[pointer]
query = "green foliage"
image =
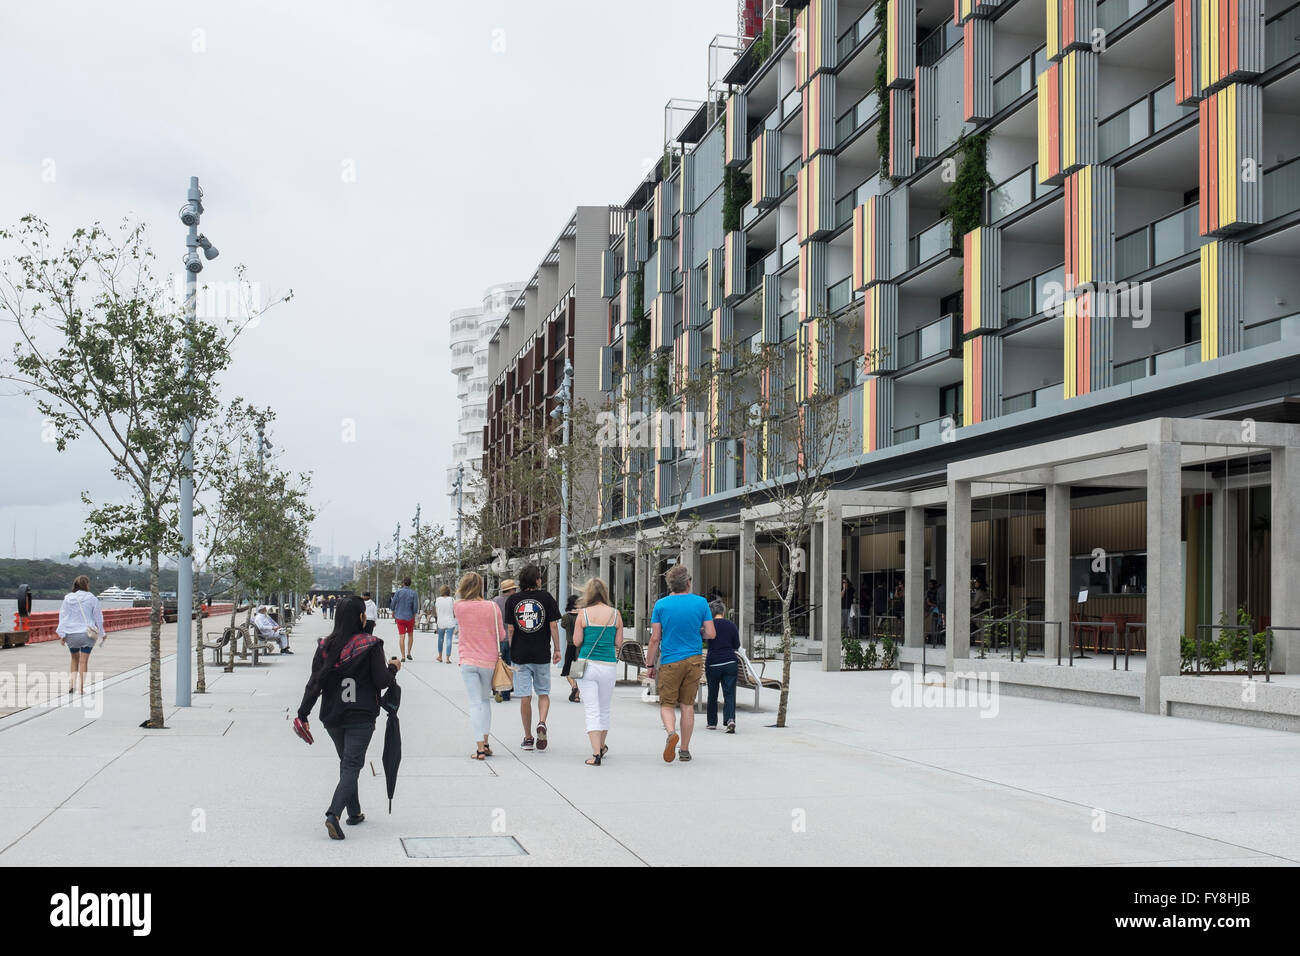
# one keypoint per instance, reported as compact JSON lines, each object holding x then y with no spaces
{"x":773,"y":33}
{"x":50,"y":580}
{"x":966,"y":192}
{"x":735,"y":196}
{"x":882,"y":87}
{"x":859,"y":655}
{"x":888,"y":653}
{"x":638,"y":342}
{"x":661,"y":388}
{"x":851,"y":657}
{"x":1231,"y":650}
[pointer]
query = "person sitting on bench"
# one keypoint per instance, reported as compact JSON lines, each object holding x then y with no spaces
{"x":268,"y":629}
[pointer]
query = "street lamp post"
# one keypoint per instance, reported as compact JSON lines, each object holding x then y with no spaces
{"x":190,"y":213}
{"x":565,"y":394}
{"x":460,"y":485}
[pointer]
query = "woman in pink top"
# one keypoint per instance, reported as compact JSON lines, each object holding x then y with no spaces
{"x":481,"y":630}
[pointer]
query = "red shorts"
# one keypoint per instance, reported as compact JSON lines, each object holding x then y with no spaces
{"x":405,"y":627}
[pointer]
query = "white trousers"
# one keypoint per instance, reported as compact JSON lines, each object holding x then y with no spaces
{"x":597,"y":690}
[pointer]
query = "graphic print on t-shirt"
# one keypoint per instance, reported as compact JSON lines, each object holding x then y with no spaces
{"x":530,"y":615}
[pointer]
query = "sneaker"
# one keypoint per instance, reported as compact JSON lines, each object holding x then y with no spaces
{"x":731,"y":726}
{"x":670,"y":747}
{"x":528,"y":743}
{"x":353,"y":821}
{"x":541,"y":736}
{"x":683,"y":755}
{"x":711,"y":727}
{"x":498,"y":698}
{"x":286,"y":651}
{"x":332,"y":827}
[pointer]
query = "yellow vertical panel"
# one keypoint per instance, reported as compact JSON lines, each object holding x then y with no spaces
{"x":967,"y":383}
{"x":1053,"y":24}
{"x":1043,"y":141}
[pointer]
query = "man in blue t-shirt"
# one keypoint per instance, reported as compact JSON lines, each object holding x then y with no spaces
{"x":679,"y":625}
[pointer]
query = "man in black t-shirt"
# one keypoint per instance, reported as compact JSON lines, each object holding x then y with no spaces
{"x":531,"y":617}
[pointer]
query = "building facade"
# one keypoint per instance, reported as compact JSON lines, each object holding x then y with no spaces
{"x":1067,"y":235}
{"x":471,"y":331}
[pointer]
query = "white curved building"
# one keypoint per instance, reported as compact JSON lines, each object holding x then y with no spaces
{"x":471,"y":331}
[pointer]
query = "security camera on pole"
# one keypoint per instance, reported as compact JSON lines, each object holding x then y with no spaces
{"x":190,"y":213}
{"x":565,"y":395}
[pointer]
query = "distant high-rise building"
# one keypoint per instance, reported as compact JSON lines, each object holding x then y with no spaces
{"x":471,"y":330}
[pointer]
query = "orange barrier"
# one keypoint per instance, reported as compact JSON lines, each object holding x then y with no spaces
{"x":43,"y":625}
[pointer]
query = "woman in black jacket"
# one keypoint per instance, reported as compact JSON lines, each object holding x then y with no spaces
{"x":347,"y":674}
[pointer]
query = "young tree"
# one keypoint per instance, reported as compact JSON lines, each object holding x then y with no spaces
{"x":99,"y":346}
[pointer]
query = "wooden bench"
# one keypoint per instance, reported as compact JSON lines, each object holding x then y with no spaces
{"x":748,"y":678}
{"x":632,"y":654}
{"x":14,"y":638}
{"x":217,"y":641}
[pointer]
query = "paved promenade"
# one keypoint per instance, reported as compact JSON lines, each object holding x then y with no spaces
{"x":853,"y":780}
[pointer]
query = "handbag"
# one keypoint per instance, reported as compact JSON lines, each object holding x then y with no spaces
{"x":502,"y":679}
{"x":579,"y":667}
{"x":92,"y":632}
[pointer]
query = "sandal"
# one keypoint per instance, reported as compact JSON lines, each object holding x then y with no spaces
{"x":604,"y":749}
{"x":487,"y":750}
{"x":541,"y":736}
{"x":478,"y":755}
{"x":594,"y":761}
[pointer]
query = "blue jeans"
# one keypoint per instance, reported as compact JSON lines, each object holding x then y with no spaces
{"x":724,"y":674}
{"x":448,"y":633}
{"x":505,"y":656}
{"x":351,"y":741}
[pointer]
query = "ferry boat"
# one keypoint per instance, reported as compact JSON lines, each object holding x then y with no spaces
{"x":116,"y":595}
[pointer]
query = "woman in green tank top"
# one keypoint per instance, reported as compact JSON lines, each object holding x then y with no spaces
{"x":598,"y":636}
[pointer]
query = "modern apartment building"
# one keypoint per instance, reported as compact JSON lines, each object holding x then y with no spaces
{"x":1082,"y":412}
{"x":558,"y":317}
{"x":471,"y":331}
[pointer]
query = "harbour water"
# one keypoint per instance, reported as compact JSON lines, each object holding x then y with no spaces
{"x":8,"y":606}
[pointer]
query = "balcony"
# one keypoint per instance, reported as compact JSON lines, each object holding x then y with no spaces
{"x":790,"y":175}
{"x":1139,"y":120}
{"x":1180,"y":356}
{"x":848,"y":430}
{"x":848,"y":375}
{"x":792,"y":101}
{"x":1272,"y":331}
{"x":1029,"y":298}
{"x":1018,"y":80}
{"x":839,"y":295}
{"x":789,"y":325}
{"x":937,"y":338}
{"x":929,"y":243}
{"x":856,"y":116}
{"x":1111,"y":13}
{"x":1282,"y":189}
{"x":851,"y":200}
{"x":1013,"y":194}
{"x":942,"y":39}
{"x":1282,"y":37}
{"x":789,"y":250}
{"x":1034,"y":398}
{"x":1159,"y":242}
{"x":854,"y":35}
{"x":932,"y":430}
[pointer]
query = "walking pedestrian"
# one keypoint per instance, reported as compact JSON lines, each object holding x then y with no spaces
{"x":597,"y":639}
{"x":347,"y":674}
{"x":508,"y":587}
{"x":372,"y":612}
{"x":405,"y":603}
{"x":81,"y":624}
{"x":570,"y":650}
{"x":481,"y":631}
{"x":721,"y":668}
{"x":679,"y":624}
{"x":530,"y":614}
{"x":444,"y":611}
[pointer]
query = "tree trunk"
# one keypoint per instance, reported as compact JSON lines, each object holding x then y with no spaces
{"x":201,"y":683}
{"x":787,"y":637}
{"x":155,"y":721}
{"x":234,"y":642}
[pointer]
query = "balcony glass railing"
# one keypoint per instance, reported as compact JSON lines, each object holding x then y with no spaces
{"x":856,"y":116}
{"x":1282,"y":37}
{"x":1178,"y":357}
{"x":1018,"y":80}
{"x":848,"y":375}
{"x":848,"y":431}
{"x":1139,"y":120}
{"x":754,"y":275}
{"x":792,"y":101}
{"x":1111,"y":13}
{"x":855,"y":34}
{"x":942,"y":39}
{"x":789,"y":325}
{"x":1165,"y":239}
{"x":1029,"y":298}
{"x":1015,"y":193}
{"x":1282,"y":189}
{"x":928,"y":243}
{"x":850,"y":201}
{"x":932,"y":429}
{"x":839,"y":295}
{"x":1034,"y":398}
{"x":930,"y":340}
{"x":1272,"y":331}
{"x":790,"y":175}
{"x":789,"y":250}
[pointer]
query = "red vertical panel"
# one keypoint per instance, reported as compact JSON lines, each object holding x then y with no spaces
{"x":967,"y":280}
{"x":1182,"y":18}
{"x":1067,"y":24}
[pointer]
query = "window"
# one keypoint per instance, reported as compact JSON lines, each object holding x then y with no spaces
{"x":1192,"y":326}
{"x":950,"y":401}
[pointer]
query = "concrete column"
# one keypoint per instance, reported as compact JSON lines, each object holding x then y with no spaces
{"x":832,"y":546}
{"x":958,"y":579}
{"x":914,"y":577}
{"x":746,"y":586}
{"x":690,"y":557}
{"x":641,"y":591}
{"x":1058,"y":601}
{"x":1223,"y":553}
{"x":1284,"y":538}
{"x":1165,"y":611}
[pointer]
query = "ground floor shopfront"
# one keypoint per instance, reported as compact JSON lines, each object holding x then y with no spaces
{"x":1078,"y":566}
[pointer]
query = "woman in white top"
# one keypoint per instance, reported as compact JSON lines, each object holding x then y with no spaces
{"x":81,"y":623}
{"x":445,"y":612}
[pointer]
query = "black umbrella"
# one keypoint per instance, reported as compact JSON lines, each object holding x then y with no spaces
{"x":391,"y":700}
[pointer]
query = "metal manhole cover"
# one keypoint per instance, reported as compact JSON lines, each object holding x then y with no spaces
{"x":426,"y":848}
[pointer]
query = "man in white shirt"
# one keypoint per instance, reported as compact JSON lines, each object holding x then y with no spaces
{"x":372,"y":612}
{"x":266,"y":627}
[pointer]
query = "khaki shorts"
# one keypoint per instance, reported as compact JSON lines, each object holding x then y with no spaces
{"x":680,"y":681}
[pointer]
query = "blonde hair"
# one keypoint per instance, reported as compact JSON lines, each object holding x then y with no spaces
{"x":81,"y":584}
{"x":678,"y":578}
{"x":594,"y":592}
{"x":470,"y":587}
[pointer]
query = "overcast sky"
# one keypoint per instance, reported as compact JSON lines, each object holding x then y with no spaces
{"x":470,"y":131}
